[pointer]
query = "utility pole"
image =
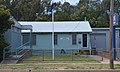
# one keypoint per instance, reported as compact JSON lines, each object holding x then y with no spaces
{"x":110,"y":36}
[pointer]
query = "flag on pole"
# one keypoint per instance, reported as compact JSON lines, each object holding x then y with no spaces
{"x":52,"y":6}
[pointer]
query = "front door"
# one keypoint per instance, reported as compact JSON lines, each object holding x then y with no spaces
{"x":84,"y":41}
{"x":79,"y":41}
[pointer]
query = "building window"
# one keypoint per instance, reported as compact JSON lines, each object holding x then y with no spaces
{"x":26,"y":38}
{"x":55,"y":39}
{"x":74,"y":36}
{"x":84,"y":40}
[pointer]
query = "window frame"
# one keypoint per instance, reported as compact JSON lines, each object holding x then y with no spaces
{"x":74,"y":38}
{"x":55,"y":39}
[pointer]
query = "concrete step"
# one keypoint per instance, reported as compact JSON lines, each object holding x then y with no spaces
{"x":9,"y":61}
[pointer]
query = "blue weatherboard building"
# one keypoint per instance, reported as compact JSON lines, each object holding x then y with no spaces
{"x":70,"y":35}
{"x":74,"y":35}
{"x":67,"y":35}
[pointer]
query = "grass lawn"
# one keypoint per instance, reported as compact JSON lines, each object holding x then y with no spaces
{"x":59,"y":58}
{"x":62,"y":61}
{"x":44,"y":66}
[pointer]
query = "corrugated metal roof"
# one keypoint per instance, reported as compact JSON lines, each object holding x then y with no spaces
{"x":18,"y":25}
{"x":104,"y":28}
{"x":66,"y":26}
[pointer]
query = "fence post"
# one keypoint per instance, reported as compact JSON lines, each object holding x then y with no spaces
{"x":16,"y":53}
{"x":90,"y":51}
{"x":102,"y":53}
{"x":43,"y":54}
{"x":30,"y":39}
{"x":72,"y":54}
{"x":4,"y":54}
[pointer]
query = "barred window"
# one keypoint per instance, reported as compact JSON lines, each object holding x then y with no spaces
{"x":55,"y":39}
{"x":26,"y":38}
{"x":74,"y":36}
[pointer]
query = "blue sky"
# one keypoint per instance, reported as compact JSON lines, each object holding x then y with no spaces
{"x":73,"y":2}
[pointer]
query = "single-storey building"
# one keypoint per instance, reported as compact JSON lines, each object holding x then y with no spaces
{"x":70,"y":35}
{"x":67,"y":35}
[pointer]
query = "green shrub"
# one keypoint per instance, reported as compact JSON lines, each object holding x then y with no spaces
{"x":76,"y":53}
{"x":82,"y":52}
{"x":5,"y":24}
{"x":3,"y":44}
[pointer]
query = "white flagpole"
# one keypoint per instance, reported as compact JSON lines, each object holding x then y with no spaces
{"x":52,"y":33}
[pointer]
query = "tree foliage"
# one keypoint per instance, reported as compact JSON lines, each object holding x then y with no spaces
{"x":5,"y":24}
{"x":95,"y":11}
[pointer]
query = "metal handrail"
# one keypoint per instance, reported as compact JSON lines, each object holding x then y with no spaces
{"x":7,"y":50}
{"x":20,"y":47}
{"x":4,"y":51}
{"x":23,"y":45}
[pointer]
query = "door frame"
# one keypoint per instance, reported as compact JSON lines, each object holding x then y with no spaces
{"x":82,"y":40}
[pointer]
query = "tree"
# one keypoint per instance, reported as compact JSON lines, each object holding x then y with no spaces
{"x":95,"y":11}
{"x":43,"y":18}
{"x":65,"y":13}
{"x":1,"y":2}
{"x":62,"y":16}
{"x":5,"y":24}
{"x":4,"y":20}
{"x":24,"y":10}
{"x":27,"y":9}
{"x":92,"y":11}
